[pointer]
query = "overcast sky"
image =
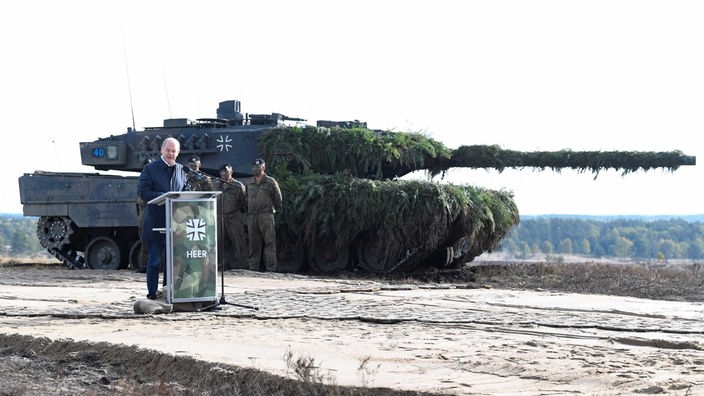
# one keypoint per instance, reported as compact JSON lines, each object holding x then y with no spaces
{"x":526,"y":75}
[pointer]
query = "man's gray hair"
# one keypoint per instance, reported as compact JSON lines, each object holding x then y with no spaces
{"x":176,"y":142}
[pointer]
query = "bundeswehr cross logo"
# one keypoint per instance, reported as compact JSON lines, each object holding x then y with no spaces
{"x":195,"y":229}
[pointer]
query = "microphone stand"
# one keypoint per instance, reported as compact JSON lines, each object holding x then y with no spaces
{"x":222,"y":300}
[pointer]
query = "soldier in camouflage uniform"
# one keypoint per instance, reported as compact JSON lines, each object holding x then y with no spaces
{"x":197,"y":180}
{"x":234,"y":204}
{"x":263,"y":200}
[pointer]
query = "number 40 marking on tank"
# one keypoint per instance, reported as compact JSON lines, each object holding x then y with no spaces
{"x":224,"y":143}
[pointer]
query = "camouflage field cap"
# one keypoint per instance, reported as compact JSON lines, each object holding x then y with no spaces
{"x":258,"y":162}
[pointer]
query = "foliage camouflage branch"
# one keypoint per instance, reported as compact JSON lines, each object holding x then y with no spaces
{"x":383,"y":154}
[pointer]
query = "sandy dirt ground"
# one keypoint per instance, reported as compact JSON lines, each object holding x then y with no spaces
{"x":436,"y":338}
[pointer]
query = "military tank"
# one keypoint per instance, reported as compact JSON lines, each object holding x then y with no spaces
{"x":345,"y":206}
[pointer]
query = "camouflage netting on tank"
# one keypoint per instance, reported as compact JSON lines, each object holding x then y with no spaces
{"x":361,"y":152}
{"x":407,"y":216}
{"x":327,"y":202}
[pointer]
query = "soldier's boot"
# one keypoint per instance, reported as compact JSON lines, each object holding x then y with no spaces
{"x":270,"y":259}
{"x":241,"y":260}
{"x":253,"y":264}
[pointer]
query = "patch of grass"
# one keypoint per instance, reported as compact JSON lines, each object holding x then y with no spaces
{"x":30,"y":365}
{"x":367,"y":371}
{"x":309,"y":373}
{"x":39,"y":261}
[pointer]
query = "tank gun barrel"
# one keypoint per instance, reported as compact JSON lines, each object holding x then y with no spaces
{"x":594,"y":161}
{"x":287,"y":118}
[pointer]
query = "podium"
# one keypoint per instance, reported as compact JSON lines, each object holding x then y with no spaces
{"x":191,"y":245}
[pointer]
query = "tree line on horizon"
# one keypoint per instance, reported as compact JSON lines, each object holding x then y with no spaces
{"x":18,"y":237}
{"x":622,"y":238}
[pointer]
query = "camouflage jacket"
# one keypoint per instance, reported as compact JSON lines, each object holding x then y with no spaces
{"x":234,"y":198}
{"x":263,"y":197}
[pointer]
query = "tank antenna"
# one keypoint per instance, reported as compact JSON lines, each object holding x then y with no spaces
{"x":129,"y":85}
{"x":166,"y":90}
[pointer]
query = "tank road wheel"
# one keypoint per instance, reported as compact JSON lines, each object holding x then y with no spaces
{"x":54,"y":232}
{"x":103,"y":253}
{"x":372,"y":256}
{"x":136,"y":255}
{"x":325,"y":257}
{"x":459,"y":253}
{"x":289,"y":255}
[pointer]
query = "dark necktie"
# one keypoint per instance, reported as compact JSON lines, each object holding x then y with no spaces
{"x":170,"y":170}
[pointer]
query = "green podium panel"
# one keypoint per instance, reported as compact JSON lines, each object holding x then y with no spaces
{"x":191,"y":250}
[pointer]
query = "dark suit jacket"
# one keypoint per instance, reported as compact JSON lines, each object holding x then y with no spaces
{"x":153,"y":182}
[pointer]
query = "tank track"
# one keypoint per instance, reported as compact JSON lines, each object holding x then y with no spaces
{"x":70,"y":258}
{"x":54,"y":235}
{"x":54,"y":232}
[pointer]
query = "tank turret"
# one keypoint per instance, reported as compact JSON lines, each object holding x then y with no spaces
{"x":344,"y":205}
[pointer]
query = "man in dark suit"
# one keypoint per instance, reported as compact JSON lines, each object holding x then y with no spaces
{"x":158,"y":177}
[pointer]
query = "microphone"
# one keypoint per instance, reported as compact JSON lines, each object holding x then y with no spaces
{"x":199,"y":176}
